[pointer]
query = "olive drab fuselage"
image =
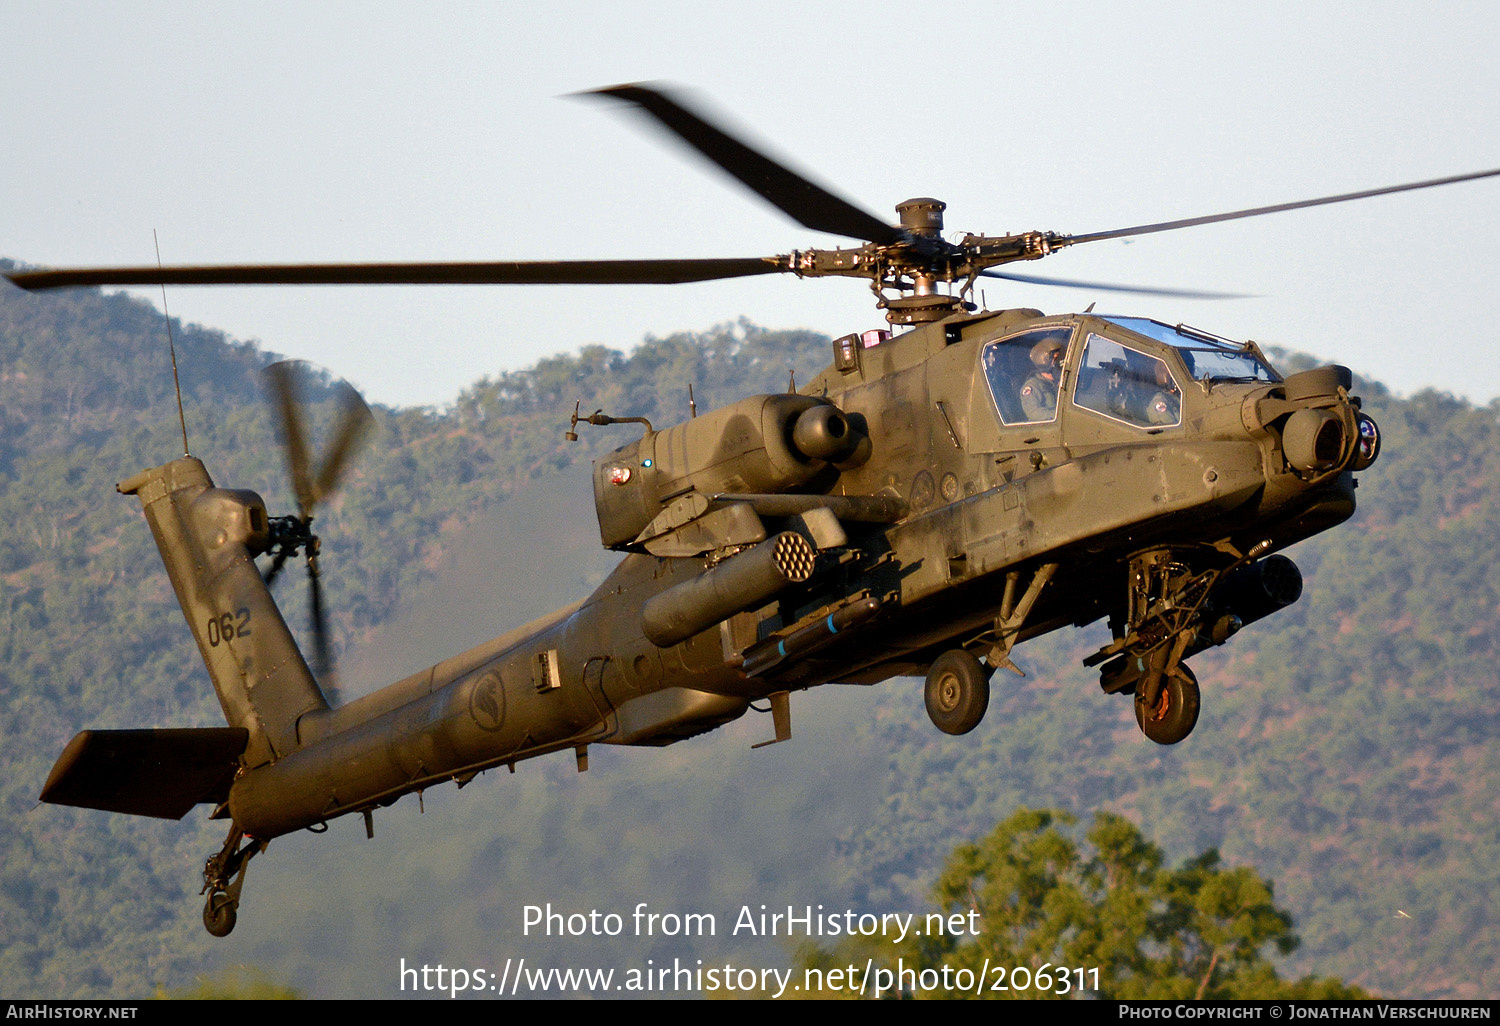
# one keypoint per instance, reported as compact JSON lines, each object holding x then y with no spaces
{"x":923,"y":498}
{"x":905,"y":512}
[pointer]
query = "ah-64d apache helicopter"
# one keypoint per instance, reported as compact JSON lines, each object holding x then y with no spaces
{"x":923,"y":505}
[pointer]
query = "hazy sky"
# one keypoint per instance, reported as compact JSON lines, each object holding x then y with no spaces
{"x":379,"y":131}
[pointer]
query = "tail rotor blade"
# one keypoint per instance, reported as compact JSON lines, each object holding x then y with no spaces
{"x":283,"y":381}
{"x":322,"y":660}
{"x":276,"y":564}
{"x":355,"y":422}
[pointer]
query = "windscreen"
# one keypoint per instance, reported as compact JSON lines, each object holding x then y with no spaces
{"x":1207,"y":357}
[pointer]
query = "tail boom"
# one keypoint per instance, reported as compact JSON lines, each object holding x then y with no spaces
{"x":208,"y":538}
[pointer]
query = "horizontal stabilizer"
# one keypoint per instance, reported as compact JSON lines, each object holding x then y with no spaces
{"x":161,"y":773}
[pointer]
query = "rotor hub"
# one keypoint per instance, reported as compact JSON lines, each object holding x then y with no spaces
{"x":922,"y":215}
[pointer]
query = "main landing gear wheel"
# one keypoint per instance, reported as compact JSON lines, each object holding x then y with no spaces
{"x":224,"y":879}
{"x":957,"y":692}
{"x":1176,"y":711}
{"x":219,"y":914}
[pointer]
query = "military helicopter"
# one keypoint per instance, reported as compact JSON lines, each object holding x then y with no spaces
{"x":940,"y":493}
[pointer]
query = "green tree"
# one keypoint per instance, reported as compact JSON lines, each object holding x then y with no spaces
{"x":1054,"y":904}
{"x":238,"y":984}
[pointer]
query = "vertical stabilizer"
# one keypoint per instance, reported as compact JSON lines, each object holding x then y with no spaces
{"x":208,"y":539}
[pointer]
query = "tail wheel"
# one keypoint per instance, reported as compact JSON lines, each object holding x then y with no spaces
{"x":219,"y":914}
{"x":1176,"y":711}
{"x":957,"y":692}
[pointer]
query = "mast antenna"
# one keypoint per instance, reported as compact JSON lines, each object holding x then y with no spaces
{"x":172,"y":347}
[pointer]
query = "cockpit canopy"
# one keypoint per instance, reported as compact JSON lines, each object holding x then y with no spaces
{"x":1207,"y":357}
{"x":1118,"y":376}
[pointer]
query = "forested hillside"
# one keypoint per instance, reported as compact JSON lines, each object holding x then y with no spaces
{"x":1346,"y":748}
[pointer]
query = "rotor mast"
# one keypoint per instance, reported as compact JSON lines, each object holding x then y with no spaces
{"x":922,"y":218}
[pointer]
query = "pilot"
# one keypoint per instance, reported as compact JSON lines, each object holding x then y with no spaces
{"x":1165,"y":406}
{"x":1039,"y":393}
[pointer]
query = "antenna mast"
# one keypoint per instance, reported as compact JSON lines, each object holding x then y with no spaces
{"x":172,"y":347}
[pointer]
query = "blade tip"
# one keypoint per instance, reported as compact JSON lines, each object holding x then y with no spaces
{"x":621,"y":91}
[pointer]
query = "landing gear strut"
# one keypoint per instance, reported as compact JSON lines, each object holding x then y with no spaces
{"x":958,"y":684}
{"x":224,"y":878}
{"x":1169,"y":615}
{"x":957,"y":692}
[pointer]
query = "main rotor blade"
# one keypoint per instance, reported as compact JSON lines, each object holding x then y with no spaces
{"x":809,"y":205}
{"x":355,"y":422}
{"x":1104,"y":286}
{"x":283,"y":379}
{"x":1189,"y":222}
{"x":540,"y":272}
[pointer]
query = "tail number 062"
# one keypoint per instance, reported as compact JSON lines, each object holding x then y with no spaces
{"x":228,"y":626}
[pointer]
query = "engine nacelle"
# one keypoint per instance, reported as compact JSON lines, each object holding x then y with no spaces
{"x":763,"y":444}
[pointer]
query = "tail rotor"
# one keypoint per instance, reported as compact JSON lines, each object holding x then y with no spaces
{"x":353,"y":423}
